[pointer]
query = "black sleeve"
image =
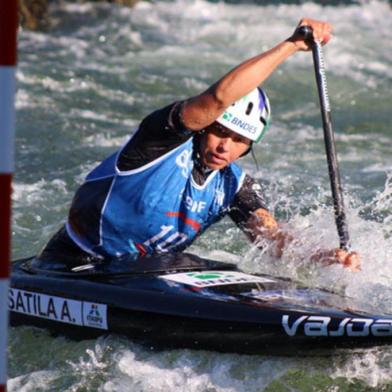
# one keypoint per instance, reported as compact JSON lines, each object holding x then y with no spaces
{"x":248,"y":199}
{"x":160,"y":132}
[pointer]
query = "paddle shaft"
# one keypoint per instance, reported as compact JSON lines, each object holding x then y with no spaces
{"x":333,"y":167}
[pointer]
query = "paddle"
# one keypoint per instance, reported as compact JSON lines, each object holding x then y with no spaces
{"x":333,"y":168}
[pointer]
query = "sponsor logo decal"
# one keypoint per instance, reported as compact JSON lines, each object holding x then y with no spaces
{"x":95,"y":315}
{"x":243,"y":125}
{"x":321,"y":326}
{"x":59,"y":309}
{"x":227,"y":116}
{"x":213,"y":278}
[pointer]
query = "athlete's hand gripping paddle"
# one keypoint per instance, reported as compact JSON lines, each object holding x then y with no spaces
{"x":333,"y":168}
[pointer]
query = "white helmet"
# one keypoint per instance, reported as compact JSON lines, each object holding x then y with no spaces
{"x":249,"y":116}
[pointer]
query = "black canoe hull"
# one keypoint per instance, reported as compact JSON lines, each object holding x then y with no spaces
{"x":193,"y":304}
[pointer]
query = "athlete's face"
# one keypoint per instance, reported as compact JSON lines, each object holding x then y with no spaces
{"x":219,"y":146}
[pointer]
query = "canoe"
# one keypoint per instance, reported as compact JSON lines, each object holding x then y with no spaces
{"x":184,"y":301}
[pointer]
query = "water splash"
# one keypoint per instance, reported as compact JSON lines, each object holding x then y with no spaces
{"x":84,"y":87}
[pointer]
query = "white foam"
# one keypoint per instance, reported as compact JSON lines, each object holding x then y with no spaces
{"x":192,"y":371}
{"x":378,"y":167}
{"x":373,"y":367}
{"x":34,"y":381}
{"x":316,"y":230}
{"x":32,"y":194}
{"x":156,"y":53}
{"x":104,"y":141}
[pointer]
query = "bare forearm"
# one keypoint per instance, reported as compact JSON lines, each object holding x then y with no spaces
{"x":262,"y":225}
{"x":202,"y":110}
{"x":251,"y":73}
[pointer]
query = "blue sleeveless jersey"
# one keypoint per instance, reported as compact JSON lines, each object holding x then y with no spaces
{"x":155,"y":208}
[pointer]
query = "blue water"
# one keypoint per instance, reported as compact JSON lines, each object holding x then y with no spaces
{"x":82,"y":89}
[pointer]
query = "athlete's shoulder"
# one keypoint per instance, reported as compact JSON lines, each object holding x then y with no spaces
{"x":166,"y":119}
{"x":158,"y":134}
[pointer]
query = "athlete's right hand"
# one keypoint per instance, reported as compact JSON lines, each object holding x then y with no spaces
{"x":349,"y":260}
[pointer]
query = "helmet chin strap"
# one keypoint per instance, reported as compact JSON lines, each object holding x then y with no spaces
{"x":251,"y":150}
{"x":255,"y":160}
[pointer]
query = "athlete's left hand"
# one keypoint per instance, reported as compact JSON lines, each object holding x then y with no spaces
{"x":349,"y":260}
{"x":322,"y":32}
